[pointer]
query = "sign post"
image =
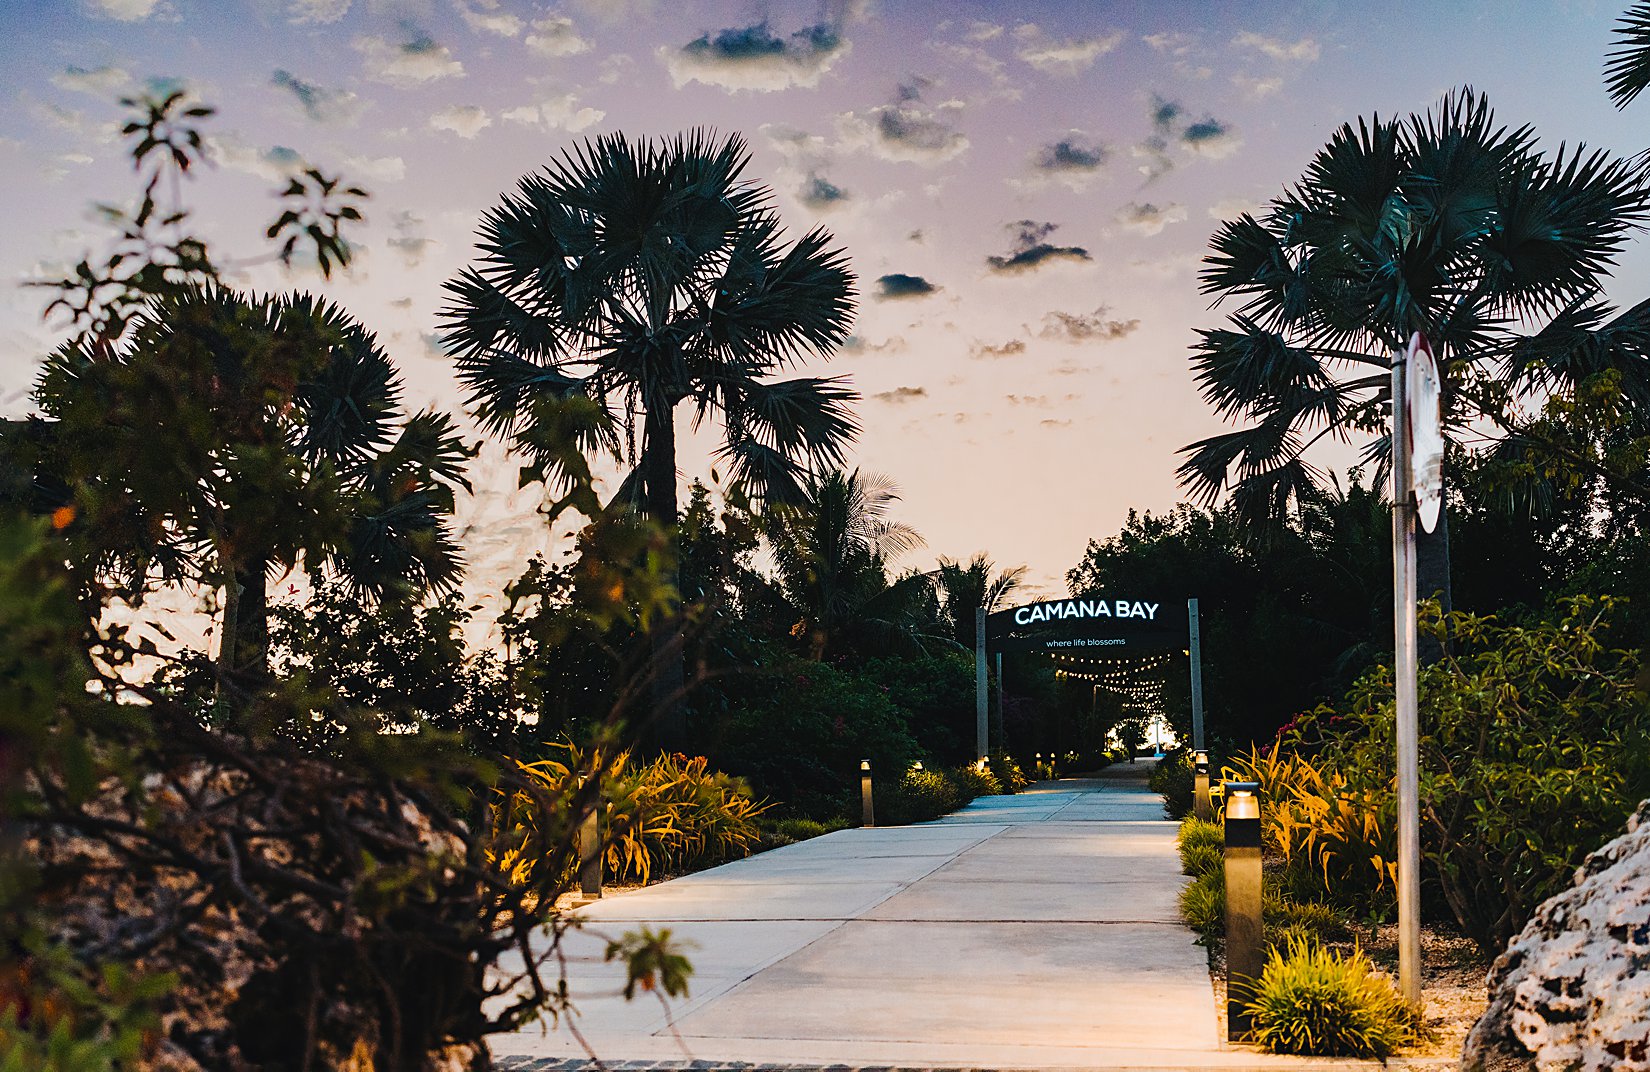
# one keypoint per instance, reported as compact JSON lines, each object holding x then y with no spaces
{"x":982,"y":724}
{"x":1416,"y":423}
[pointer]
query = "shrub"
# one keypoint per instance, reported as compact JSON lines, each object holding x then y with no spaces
{"x":1172,"y":779}
{"x":918,"y":797}
{"x":1203,"y":903}
{"x":1310,"y":1001}
{"x":973,"y":782}
{"x":1201,"y":859}
{"x":1313,"y":918}
{"x":1006,"y":772}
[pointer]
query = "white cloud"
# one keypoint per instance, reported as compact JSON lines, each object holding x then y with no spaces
{"x":614,"y":68}
{"x":381,"y":169}
{"x":555,"y":35}
{"x":1174,"y":44}
{"x":465,"y":120}
{"x":1145,"y":218}
{"x":487,"y":18}
{"x":1062,"y":57}
{"x":906,"y":131}
{"x":409,"y":63}
{"x":98,"y":81}
{"x":1230,"y":208}
{"x":1257,"y":88}
{"x":272,"y":164}
{"x":317,"y":102}
{"x":557,"y":113}
{"x":983,"y":31}
{"x":316,"y":12}
{"x":1304,"y":51}
{"x":78,"y":123}
{"x":755,"y":58}
{"x":127,"y":10}
{"x":409,"y":240}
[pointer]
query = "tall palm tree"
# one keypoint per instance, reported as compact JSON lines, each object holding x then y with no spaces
{"x":1448,"y":224}
{"x":637,"y":276}
{"x":964,"y":588}
{"x":833,"y":555}
{"x":228,"y":439}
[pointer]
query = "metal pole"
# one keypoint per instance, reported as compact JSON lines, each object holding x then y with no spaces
{"x":868,"y":813}
{"x":1245,"y":934}
{"x":1195,"y":649}
{"x":982,"y":716}
{"x":1002,"y":712}
{"x":1403,"y":613}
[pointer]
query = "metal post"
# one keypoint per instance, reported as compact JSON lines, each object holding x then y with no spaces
{"x":1245,"y":940}
{"x":590,"y":851}
{"x":1403,"y":613}
{"x":982,"y":723}
{"x":1202,"y":805}
{"x":1195,"y":651}
{"x":868,"y":814}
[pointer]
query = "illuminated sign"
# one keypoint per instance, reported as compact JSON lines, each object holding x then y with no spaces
{"x":1084,"y":608}
{"x":1083,"y":623}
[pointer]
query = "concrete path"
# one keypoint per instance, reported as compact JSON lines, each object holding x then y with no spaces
{"x":1035,"y":930}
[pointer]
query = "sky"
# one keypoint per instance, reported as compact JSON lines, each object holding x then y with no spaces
{"x":1025,"y":189}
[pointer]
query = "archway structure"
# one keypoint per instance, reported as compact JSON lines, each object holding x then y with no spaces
{"x":1093,"y":625}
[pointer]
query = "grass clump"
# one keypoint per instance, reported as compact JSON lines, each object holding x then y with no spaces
{"x":1203,"y":903}
{"x":1314,"y":1002}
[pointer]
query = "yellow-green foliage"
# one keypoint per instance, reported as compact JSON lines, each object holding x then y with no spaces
{"x":1203,"y":903}
{"x":666,"y":814}
{"x":1311,"y":1001}
{"x":1202,"y":846}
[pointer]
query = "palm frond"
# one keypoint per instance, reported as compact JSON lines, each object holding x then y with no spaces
{"x":1627,"y":67}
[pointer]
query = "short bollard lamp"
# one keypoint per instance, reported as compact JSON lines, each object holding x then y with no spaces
{"x":868,"y":814}
{"x":590,"y":851}
{"x":1245,"y":948}
{"x":1202,"y":806}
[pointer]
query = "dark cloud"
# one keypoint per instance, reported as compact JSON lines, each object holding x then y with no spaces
{"x":1070,"y":154}
{"x":1204,"y":131}
{"x":820,"y":192}
{"x":899,"y":285}
{"x":901,"y":394}
{"x":754,"y":57}
{"x":1032,"y":250}
{"x":1086,"y":327}
{"x":1011,"y":348}
{"x":908,"y":130}
{"x":1205,"y":137}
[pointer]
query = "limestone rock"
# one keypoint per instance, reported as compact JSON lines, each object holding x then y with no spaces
{"x":1572,"y":990}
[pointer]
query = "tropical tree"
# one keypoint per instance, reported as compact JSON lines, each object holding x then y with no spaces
{"x":227,"y":439}
{"x":1447,"y":224}
{"x":627,"y":278}
{"x":1627,"y":68}
{"x":833,"y":555}
{"x":964,"y":588}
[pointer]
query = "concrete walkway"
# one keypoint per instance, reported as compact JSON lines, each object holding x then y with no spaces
{"x":1035,"y":930}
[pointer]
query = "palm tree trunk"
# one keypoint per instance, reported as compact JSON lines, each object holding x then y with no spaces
{"x":669,"y":671}
{"x":1432,"y":579}
{"x":250,"y":638}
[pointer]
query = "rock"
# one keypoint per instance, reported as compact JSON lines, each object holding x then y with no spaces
{"x":1572,"y":990}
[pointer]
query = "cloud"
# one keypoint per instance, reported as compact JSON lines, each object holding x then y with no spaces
{"x":906,"y":131}
{"x":855,"y":344}
{"x":1210,"y":138}
{"x":1073,"y":161}
{"x":127,"y":10}
{"x":755,"y":58}
{"x":1257,"y":88}
{"x":380,"y":169}
{"x":319,"y":103}
{"x":983,"y":31}
{"x":1230,"y":208}
{"x":409,"y":240}
{"x":554,"y":36}
{"x":321,"y":12}
{"x":901,"y":394}
{"x":465,"y":120}
{"x":1085,"y":327}
{"x":1207,"y":137}
{"x":1062,"y":57}
{"x":1174,"y":44}
{"x":1031,"y":250}
{"x":415,"y":61}
{"x":1011,"y":348}
{"x":1146,"y":218}
{"x":1303,"y":51}
{"x":77,"y":122}
{"x":557,"y":113}
{"x":897,"y":285}
{"x":614,"y":67}
{"x":272,"y":164}
{"x":98,"y":81}
{"x":486,"y":18}
{"x":820,"y":192}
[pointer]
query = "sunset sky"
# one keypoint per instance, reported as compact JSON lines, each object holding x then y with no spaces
{"x":1025,"y":189}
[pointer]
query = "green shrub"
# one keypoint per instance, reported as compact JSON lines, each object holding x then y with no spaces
{"x":1200,"y":832}
{"x":1310,"y":1001}
{"x":918,"y":797}
{"x":799,"y":829}
{"x":1203,"y":903}
{"x":1172,"y":779}
{"x":1201,"y":859}
{"x":1313,"y":918}
{"x":1007,"y":772}
{"x":973,"y":782}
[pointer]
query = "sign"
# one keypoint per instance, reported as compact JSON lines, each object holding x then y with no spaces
{"x":1426,"y":431}
{"x":1091,"y":623}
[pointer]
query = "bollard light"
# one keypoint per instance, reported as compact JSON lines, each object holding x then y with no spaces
{"x":867,"y":813}
{"x":1202,"y":805}
{"x":590,"y":851}
{"x":1245,"y":946}
{"x":917,"y":766}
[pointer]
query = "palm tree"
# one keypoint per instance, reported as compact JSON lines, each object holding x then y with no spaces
{"x":632,"y":277}
{"x":1627,"y":69}
{"x":1447,"y":224}
{"x":229,"y":439}
{"x":833,"y":555}
{"x":966,"y":588}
